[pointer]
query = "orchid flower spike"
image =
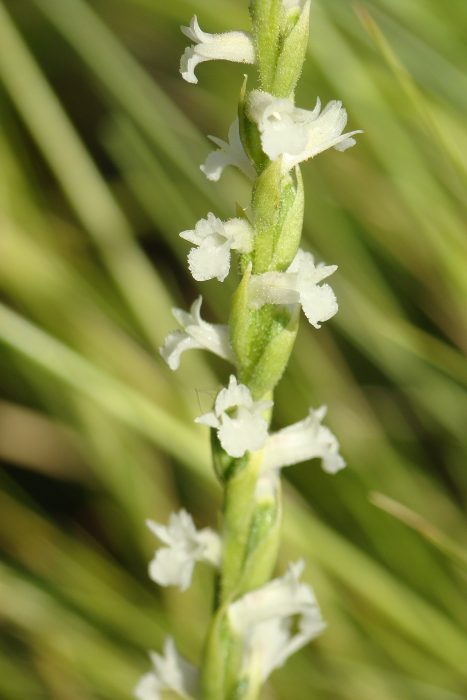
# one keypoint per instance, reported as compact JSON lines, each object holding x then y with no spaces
{"x":301,"y":441}
{"x":185,"y":545}
{"x":238,"y":419}
{"x":294,"y":134}
{"x":228,"y":153}
{"x":214,"y":240}
{"x":300,"y":284}
{"x":195,"y":334}
{"x":170,"y":672}
{"x":229,"y":46}
{"x":264,"y":620}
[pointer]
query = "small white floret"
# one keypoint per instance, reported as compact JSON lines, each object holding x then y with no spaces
{"x":238,"y":419}
{"x":170,"y":673}
{"x":264,"y":620}
{"x":295,"y":134}
{"x":195,"y":334}
{"x":228,"y":153}
{"x":300,"y":284}
{"x":301,"y":441}
{"x":213,"y":240}
{"x":184,"y":546}
{"x":229,"y":46}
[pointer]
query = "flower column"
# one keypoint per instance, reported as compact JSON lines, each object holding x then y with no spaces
{"x":256,"y":625}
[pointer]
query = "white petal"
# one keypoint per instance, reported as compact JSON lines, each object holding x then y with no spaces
{"x":301,"y":441}
{"x":238,"y":419}
{"x":194,"y":31}
{"x":209,"y":261}
{"x":240,"y":435}
{"x":319,"y":304}
{"x":263,"y":618}
{"x":209,"y":419}
{"x":196,"y":334}
{"x":148,"y":688}
{"x":229,"y":46}
{"x":299,"y":284}
{"x":273,"y":288}
{"x":174,"y":345}
{"x":216,"y":239}
{"x":240,"y":233}
{"x":171,"y":567}
{"x":188,"y":62}
{"x":170,"y":672}
{"x":234,"y":395}
{"x":231,"y":153}
{"x":173,"y":671}
{"x":281,"y":597}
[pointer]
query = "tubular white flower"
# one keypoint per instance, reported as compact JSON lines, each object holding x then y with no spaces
{"x":298,"y":134}
{"x":185,"y":545}
{"x":214,"y":240}
{"x":196,"y":334}
{"x":229,"y":46}
{"x":300,"y":284}
{"x":238,"y":419}
{"x":228,"y":153}
{"x":264,"y":617}
{"x":170,"y":672}
{"x":301,"y":441}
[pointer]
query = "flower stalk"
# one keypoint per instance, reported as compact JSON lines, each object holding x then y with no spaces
{"x":257,"y":623}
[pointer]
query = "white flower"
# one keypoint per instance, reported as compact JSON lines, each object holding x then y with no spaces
{"x":264,"y":620}
{"x":215,"y":239}
{"x":170,"y":672}
{"x":304,"y":440}
{"x":298,"y":134}
{"x":300,"y":284}
{"x":185,"y":545}
{"x":238,"y":419}
{"x":196,"y":333}
{"x":229,"y":46}
{"x":231,"y":153}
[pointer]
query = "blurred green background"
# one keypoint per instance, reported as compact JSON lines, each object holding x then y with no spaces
{"x":100,"y":146}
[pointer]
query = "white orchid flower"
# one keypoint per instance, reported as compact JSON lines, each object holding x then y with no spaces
{"x":228,"y":153}
{"x":195,"y":334}
{"x":214,"y":240}
{"x":301,"y":441}
{"x":295,"y":134}
{"x":229,"y":46}
{"x":185,"y":545}
{"x":238,"y":419}
{"x":170,"y":672}
{"x":264,"y":620}
{"x":300,"y":284}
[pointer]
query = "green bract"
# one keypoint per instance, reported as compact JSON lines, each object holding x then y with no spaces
{"x":281,"y":40}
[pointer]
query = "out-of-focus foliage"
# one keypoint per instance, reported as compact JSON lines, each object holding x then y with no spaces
{"x":100,"y":146}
